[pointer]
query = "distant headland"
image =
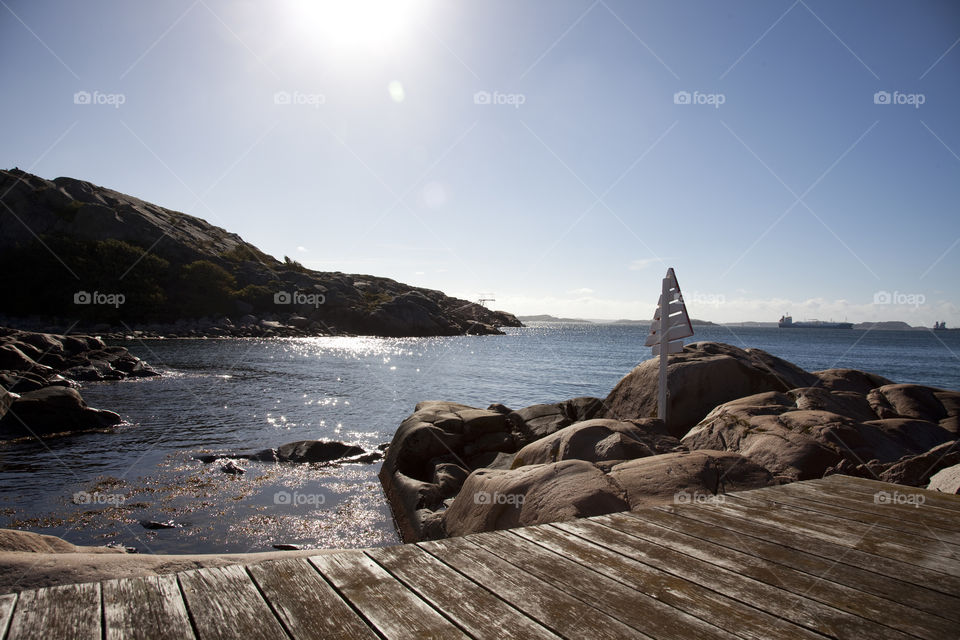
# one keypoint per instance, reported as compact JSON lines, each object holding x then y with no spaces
{"x":77,"y":254}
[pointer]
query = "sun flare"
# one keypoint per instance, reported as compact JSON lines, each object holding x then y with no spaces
{"x":345,"y":24}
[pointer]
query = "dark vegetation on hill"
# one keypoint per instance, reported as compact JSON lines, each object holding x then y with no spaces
{"x":63,"y":238}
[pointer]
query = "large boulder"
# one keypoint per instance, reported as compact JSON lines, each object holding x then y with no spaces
{"x":911,"y":470}
{"x":436,"y":447}
{"x":53,"y":410}
{"x":803,"y":443}
{"x":536,"y":494}
{"x":599,"y":440}
{"x":919,"y":402}
{"x":702,"y":376}
{"x":849,"y":380}
{"x":687,"y":476}
{"x":946,"y":480}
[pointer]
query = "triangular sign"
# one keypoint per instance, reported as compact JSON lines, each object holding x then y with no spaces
{"x":678,"y":322}
{"x":670,"y":326}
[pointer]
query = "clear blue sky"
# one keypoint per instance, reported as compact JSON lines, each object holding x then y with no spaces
{"x":580,"y":181}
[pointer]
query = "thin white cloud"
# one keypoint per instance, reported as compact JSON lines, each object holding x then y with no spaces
{"x":643,"y":263}
{"x":583,"y":291}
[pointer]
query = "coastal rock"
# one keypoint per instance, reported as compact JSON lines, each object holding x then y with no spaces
{"x":946,"y":480}
{"x":849,"y":380}
{"x":492,"y":500}
{"x":772,"y":430}
{"x":53,"y":410}
{"x":687,"y":477}
{"x":702,"y":376}
{"x":27,"y":541}
{"x":6,"y":400}
{"x":537,"y":421}
{"x":919,"y":402}
{"x":300,"y":452}
{"x":746,"y":418}
{"x":910,"y":470}
{"x":599,"y":440}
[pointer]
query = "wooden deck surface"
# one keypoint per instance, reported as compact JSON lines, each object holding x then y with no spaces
{"x":823,"y":558}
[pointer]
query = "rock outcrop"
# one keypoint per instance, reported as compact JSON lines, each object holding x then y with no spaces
{"x":738,"y":419}
{"x":701,"y":377}
{"x":303,"y":452}
{"x":38,"y":373}
{"x":185,"y":275}
{"x":802,"y":433}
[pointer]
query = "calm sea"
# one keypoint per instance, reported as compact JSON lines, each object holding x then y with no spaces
{"x":246,"y":395}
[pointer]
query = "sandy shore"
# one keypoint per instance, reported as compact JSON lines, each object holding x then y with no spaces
{"x":31,"y":561}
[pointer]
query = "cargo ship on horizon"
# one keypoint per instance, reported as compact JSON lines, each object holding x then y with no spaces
{"x":786,"y":322}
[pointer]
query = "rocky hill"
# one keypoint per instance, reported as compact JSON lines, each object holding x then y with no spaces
{"x":72,"y":250}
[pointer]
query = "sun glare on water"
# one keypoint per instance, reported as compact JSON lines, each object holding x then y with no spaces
{"x":361,"y":24}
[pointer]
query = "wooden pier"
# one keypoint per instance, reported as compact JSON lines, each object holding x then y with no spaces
{"x":840,"y":557}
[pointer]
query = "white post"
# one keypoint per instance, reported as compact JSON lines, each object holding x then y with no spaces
{"x":664,"y":348}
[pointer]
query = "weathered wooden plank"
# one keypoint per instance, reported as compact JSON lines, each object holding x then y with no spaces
{"x":7,"y":602}
{"x":817,"y":587}
{"x":799,"y":609}
{"x":145,"y":607}
{"x":394,"y":610}
{"x":635,"y":608}
{"x":871,"y":501}
{"x":305,"y":603}
{"x":550,"y":606}
{"x":916,"y":521}
{"x":803,"y":542}
{"x":759,"y":543}
{"x":481,"y":613}
{"x":899,"y":546}
{"x":935,"y":504}
{"x":224,"y":603}
{"x":68,"y":611}
{"x":934,"y":498}
{"x":726,"y":613}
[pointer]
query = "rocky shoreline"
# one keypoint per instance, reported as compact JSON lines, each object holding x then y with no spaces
{"x":40,"y":374}
{"x":738,"y":419}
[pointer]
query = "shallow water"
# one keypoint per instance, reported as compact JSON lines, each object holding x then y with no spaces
{"x":245,"y":395}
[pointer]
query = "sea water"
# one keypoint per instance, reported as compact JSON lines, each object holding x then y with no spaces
{"x":242,"y":395}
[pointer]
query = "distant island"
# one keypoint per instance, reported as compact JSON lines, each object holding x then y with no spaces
{"x":890,"y":325}
{"x":74,"y":253}
{"x":548,"y":318}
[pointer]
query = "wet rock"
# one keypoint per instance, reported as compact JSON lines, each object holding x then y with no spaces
{"x":232,"y":468}
{"x":53,"y":410}
{"x":154,"y":525}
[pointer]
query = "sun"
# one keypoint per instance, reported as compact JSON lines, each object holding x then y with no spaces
{"x":355,"y":24}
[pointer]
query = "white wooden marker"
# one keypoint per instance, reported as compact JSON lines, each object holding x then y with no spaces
{"x":672,"y":316}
